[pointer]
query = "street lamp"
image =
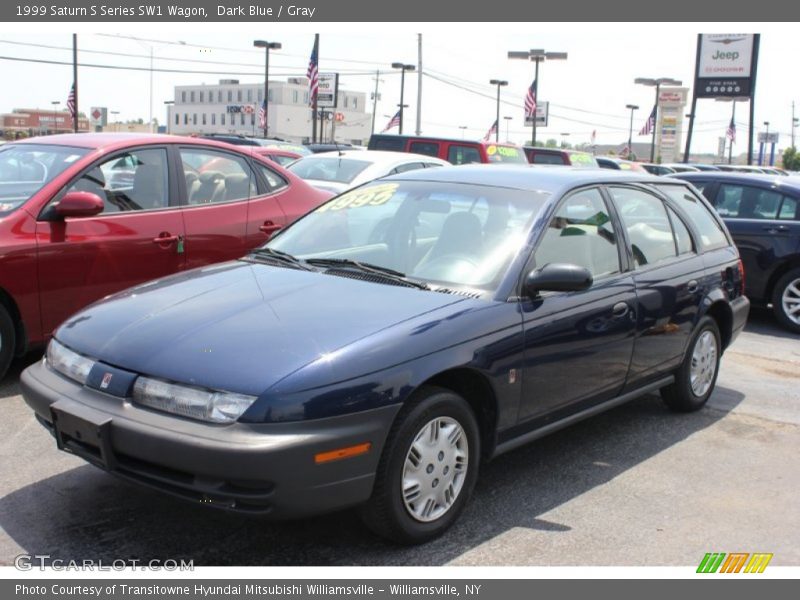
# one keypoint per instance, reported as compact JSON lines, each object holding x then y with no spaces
{"x":507,"y":119}
{"x":632,"y":107}
{"x":116,"y":121}
{"x":403,"y":68}
{"x":267,"y":47}
{"x":537,"y":56}
{"x":657,"y":83}
{"x":55,"y":103}
{"x":499,"y":83}
{"x":463,"y":128}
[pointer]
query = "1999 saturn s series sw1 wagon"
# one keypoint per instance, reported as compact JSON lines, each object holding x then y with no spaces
{"x":376,"y":351}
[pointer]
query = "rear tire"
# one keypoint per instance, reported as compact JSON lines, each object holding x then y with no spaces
{"x":427,"y":471}
{"x":7,"y":341}
{"x":786,"y":298}
{"x":696,"y":377}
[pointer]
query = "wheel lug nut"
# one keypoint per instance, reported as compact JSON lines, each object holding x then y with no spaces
{"x":446,"y":470}
{"x":435,"y":483}
{"x":441,"y":456}
{"x":429,"y":469}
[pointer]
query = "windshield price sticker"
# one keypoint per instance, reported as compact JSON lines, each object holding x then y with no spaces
{"x":371,"y":196}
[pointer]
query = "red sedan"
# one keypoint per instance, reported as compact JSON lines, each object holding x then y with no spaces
{"x":83,"y":216}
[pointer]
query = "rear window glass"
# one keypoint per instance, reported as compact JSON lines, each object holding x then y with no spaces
{"x":505,"y":154}
{"x":548,"y":159}
{"x":336,"y":169}
{"x":581,"y":159}
{"x":711,"y":233}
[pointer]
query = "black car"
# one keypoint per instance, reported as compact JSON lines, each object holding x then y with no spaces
{"x":376,"y":351}
{"x":762,"y":213}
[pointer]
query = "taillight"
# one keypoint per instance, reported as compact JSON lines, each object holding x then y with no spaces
{"x":741,"y":274}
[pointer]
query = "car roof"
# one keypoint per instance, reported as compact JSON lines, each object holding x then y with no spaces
{"x":378,"y":156}
{"x":552,"y":179}
{"x":119,"y":140}
{"x":764,"y":179}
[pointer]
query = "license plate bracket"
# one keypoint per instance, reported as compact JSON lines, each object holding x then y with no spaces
{"x":83,"y":432}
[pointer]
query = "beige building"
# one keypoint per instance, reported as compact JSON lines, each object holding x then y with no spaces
{"x":232,"y":107}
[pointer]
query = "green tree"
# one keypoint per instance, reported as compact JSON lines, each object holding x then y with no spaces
{"x":551,"y":143}
{"x":791,"y":159}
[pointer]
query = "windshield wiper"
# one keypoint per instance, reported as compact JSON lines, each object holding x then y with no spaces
{"x":279,"y":256}
{"x":386,"y":272}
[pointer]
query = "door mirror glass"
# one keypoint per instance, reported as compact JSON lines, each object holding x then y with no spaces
{"x":79,"y":204}
{"x":557,"y":277}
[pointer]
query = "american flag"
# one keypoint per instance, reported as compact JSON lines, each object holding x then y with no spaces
{"x":313,"y":73}
{"x":648,"y":126}
{"x":625,"y":152}
{"x":530,"y":101}
{"x":492,"y":131}
{"x":731,"y":133}
{"x":71,"y":101}
{"x":262,"y":114}
{"x":393,"y":122}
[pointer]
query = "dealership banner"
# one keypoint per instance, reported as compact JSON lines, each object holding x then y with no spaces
{"x":407,"y":11}
{"x":729,"y":587}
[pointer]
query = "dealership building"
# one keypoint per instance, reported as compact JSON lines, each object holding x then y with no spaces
{"x":232,"y":107}
{"x":24,"y":122}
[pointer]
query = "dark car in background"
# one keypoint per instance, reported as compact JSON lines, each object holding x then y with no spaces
{"x":376,"y":351}
{"x":762,"y":213}
{"x":86,"y":215}
{"x":619,"y":164}
{"x":556,"y":156}
{"x":454,"y":151}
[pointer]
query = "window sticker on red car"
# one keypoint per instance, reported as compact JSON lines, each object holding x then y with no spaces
{"x":371,"y":196}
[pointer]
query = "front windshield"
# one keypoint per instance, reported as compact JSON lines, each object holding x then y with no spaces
{"x":329,"y":168}
{"x":26,"y":168}
{"x":444,"y":233}
{"x":505,"y":154}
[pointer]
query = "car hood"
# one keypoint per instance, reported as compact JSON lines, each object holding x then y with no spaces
{"x":239,"y":326}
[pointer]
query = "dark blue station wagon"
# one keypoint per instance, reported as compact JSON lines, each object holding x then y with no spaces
{"x":376,"y":351}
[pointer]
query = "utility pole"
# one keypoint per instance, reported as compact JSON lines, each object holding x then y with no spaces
{"x":75,"y":83}
{"x":419,"y":84}
{"x":794,"y":124}
{"x":375,"y":99}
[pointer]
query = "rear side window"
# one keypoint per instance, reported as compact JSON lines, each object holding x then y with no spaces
{"x":711,"y":233}
{"x":213,"y":177}
{"x":391,"y":143}
{"x":274,"y":181}
{"x":683,"y":239}
{"x":547,"y":159}
{"x":647,"y":224}
{"x":788,"y":208}
{"x":581,"y":233}
{"x":746,"y":202}
{"x":459,"y":155}
{"x":426,"y":148}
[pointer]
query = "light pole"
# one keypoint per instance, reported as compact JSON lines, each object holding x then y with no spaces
{"x":537,"y":56}
{"x":116,"y":121}
{"x":632,"y":108}
{"x":267,"y":47}
{"x":169,"y":103}
{"x":657,"y":83}
{"x":403,"y":68}
{"x":463,"y":128}
{"x":507,"y":120}
{"x":795,"y":120}
{"x":499,"y":83}
{"x":564,"y":139}
{"x":766,"y":142}
{"x":55,"y":103}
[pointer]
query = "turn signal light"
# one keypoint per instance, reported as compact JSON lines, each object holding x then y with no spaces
{"x":348,"y":452}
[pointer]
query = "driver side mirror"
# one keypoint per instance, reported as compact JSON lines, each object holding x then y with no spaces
{"x":557,"y":277}
{"x":79,"y":204}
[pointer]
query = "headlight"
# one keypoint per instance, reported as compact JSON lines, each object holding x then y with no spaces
{"x":216,"y":407}
{"x":68,"y":363}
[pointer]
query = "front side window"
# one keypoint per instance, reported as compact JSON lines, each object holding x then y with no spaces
{"x":443,"y":233}
{"x":213,"y":177}
{"x":132,"y":181}
{"x":645,"y":219}
{"x":581,"y":233}
{"x":26,"y":168}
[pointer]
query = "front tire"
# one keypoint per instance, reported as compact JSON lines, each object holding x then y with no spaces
{"x":7,"y":341}
{"x":786,"y":300}
{"x":697,"y":375}
{"x":427,"y":471}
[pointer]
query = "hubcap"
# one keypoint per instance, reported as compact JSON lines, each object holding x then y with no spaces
{"x":791,"y":301}
{"x":704,"y":363}
{"x":435,"y":469}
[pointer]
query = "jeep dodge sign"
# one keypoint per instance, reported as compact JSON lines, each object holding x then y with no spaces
{"x":725,"y":65}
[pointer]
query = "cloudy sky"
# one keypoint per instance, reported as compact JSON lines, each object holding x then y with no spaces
{"x":587,"y":92}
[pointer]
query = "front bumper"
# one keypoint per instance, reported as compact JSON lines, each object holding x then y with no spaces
{"x":254,"y":468}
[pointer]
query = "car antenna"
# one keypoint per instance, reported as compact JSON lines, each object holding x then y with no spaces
{"x":338,"y":149}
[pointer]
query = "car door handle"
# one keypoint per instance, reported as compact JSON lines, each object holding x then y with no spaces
{"x":692,"y":286}
{"x":269,"y":227}
{"x":775,"y":228}
{"x":166,"y":238}
{"x":620,"y":310}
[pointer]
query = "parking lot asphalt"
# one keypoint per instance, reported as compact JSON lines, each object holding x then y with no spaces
{"x":634,"y":486}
